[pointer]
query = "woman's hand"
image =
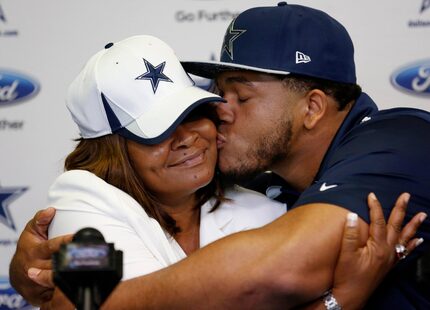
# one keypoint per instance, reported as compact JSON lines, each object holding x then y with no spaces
{"x":360,"y":269}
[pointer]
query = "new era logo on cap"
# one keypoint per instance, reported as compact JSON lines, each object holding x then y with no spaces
{"x":302,"y":58}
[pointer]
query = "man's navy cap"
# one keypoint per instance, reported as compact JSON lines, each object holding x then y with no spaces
{"x":284,"y":39}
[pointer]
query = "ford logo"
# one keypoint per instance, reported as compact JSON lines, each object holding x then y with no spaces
{"x":9,"y":298}
{"x":15,"y":87}
{"x":413,"y":78}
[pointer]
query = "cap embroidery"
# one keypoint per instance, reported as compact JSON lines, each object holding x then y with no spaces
{"x":154,"y":74}
{"x":230,"y":36}
{"x":302,"y":58}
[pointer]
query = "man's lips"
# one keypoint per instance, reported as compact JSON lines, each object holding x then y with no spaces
{"x":190,"y":160}
{"x":220,"y":140}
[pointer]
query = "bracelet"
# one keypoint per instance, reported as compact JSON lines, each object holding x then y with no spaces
{"x":330,"y":302}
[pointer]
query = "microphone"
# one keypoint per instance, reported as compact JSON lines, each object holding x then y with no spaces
{"x":87,"y":269}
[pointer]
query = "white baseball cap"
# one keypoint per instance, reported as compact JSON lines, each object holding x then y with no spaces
{"x":135,"y":87}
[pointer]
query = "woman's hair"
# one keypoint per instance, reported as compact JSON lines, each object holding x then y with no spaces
{"x":107,"y":158}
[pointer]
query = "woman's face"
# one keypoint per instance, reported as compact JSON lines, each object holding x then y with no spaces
{"x":180,"y":165}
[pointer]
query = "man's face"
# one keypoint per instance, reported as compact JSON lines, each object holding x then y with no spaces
{"x":256,"y":123}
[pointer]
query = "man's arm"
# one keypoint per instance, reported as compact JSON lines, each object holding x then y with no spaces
{"x":285,"y":263}
{"x":197,"y":280}
{"x":37,"y":251}
{"x":358,"y":269}
{"x":245,"y":268}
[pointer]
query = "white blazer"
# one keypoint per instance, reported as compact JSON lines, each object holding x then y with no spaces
{"x":84,"y":200}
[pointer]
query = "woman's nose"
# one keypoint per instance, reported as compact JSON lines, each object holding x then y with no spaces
{"x":184,"y":136}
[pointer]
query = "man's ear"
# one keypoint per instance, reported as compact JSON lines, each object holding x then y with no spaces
{"x":317,"y":102}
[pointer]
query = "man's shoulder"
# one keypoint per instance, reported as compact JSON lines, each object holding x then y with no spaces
{"x":400,"y":112}
{"x":405,"y":119}
{"x":403,"y":129}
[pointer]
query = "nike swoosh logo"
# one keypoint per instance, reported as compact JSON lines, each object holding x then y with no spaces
{"x":325,"y":187}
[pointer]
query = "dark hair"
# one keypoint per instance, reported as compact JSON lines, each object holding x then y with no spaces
{"x":342,"y":93}
{"x":107,"y":158}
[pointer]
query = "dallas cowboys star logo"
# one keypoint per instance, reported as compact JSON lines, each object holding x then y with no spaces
{"x":230,"y":36}
{"x":7,"y":195}
{"x":154,"y":74}
{"x":2,"y":16}
{"x":425,"y":5}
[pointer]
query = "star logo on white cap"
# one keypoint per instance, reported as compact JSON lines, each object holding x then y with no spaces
{"x":230,"y":36}
{"x":154,"y":74}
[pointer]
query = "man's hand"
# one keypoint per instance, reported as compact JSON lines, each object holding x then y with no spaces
{"x":34,"y":250}
{"x":360,"y":269}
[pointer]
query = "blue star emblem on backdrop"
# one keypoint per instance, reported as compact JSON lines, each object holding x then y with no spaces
{"x":2,"y":16}
{"x":7,"y":195}
{"x":425,"y":5}
{"x":230,"y":36}
{"x":154,"y":74}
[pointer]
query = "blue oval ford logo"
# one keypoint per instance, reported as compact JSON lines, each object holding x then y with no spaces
{"x":16,"y":87}
{"x":9,"y":298}
{"x":413,"y":78}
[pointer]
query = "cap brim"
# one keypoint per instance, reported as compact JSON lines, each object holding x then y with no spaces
{"x":156,"y":126}
{"x":210,"y":69}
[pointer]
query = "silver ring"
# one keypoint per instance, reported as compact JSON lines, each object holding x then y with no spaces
{"x":401,"y":251}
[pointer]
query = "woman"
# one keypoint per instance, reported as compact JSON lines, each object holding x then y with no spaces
{"x":143,"y":172}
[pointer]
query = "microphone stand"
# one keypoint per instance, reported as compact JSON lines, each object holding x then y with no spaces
{"x":87,"y":269}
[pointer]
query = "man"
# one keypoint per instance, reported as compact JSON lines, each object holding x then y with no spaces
{"x":293,"y":107}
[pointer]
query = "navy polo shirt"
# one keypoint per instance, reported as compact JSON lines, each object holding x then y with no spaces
{"x":386,"y":152}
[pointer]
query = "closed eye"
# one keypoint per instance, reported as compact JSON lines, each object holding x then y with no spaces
{"x":243,"y":100}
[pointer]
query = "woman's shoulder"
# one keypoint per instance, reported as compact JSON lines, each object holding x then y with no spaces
{"x":81,"y":188}
{"x":78,"y":177}
{"x":80,"y":183}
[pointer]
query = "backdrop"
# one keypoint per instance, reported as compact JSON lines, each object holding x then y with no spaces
{"x":44,"y":44}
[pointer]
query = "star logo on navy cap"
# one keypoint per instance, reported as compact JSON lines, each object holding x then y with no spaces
{"x":7,"y":195}
{"x":154,"y":74}
{"x":230,"y":36}
{"x":425,"y":5}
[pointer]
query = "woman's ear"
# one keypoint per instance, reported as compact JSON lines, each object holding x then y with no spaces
{"x":317,"y":102}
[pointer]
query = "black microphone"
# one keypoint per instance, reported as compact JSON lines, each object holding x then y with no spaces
{"x":87,"y":269}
